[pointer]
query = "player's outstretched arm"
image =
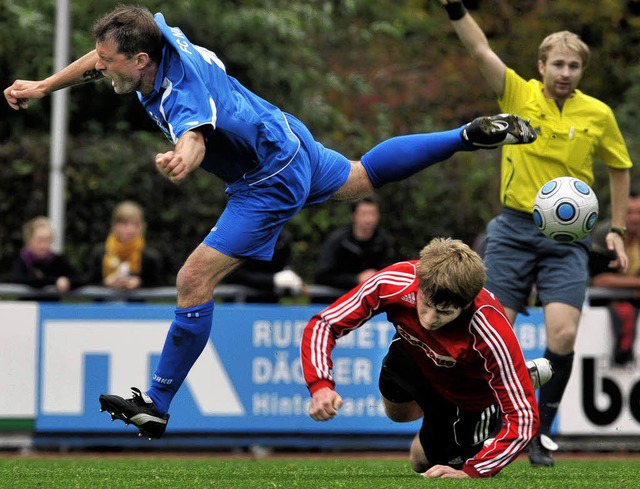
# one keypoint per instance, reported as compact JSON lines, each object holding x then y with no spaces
{"x":80,"y":71}
{"x":474,"y":40}
{"x":324,"y":405}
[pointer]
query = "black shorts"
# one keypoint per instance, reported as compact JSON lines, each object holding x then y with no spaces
{"x":449,"y":435}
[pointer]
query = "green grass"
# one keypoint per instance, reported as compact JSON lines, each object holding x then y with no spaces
{"x":292,"y":473}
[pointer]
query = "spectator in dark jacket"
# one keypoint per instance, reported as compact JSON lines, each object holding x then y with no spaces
{"x":357,"y":251}
{"x":38,"y":265}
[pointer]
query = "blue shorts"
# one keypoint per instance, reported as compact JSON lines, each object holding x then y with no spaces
{"x":518,"y":256}
{"x":261,"y":203}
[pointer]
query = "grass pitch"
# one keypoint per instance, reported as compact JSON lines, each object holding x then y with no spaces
{"x":336,"y":472}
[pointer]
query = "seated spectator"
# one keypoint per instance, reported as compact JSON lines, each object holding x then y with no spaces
{"x":271,"y":279}
{"x":38,"y":265}
{"x":124,"y":261}
{"x":605,"y":273}
{"x":354,"y":253}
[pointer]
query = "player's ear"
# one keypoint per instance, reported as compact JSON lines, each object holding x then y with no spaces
{"x":142,"y":60}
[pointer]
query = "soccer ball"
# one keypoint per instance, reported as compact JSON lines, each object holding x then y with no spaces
{"x":565,"y":209}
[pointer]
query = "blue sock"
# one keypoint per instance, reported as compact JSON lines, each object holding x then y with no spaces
{"x":185,"y":341}
{"x":400,"y":157}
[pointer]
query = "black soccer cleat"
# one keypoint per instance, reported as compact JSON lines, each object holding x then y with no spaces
{"x":139,"y":410}
{"x":540,"y":371}
{"x":540,"y":451}
{"x":498,"y":130}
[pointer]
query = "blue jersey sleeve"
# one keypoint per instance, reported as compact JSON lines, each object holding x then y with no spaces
{"x":192,"y":89}
{"x":186,"y":104}
{"x":186,"y":101}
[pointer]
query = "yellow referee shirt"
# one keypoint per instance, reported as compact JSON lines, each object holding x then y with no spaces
{"x":568,"y":140}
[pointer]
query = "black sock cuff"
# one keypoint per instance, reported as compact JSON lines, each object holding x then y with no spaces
{"x":557,"y":359}
{"x":455,"y":10}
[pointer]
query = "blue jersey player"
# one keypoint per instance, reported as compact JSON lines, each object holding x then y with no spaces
{"x":269,"y":160}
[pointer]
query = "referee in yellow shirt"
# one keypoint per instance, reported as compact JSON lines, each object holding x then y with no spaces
{"x":573,"y":129}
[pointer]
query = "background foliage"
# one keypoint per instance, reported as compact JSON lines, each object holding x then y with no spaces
{"x":355,"y":71}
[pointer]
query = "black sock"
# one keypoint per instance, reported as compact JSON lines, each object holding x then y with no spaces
{"x":551,"y":393}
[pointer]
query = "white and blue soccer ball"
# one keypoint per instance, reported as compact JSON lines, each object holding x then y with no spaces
{"x":565,"y":209}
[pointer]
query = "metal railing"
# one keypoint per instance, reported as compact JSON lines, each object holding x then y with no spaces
{"x":223,"y":292}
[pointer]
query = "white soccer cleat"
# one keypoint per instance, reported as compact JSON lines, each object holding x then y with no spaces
{"x":540,"y":371}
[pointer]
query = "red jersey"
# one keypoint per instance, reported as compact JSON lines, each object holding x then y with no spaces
{"x":475,"y":361}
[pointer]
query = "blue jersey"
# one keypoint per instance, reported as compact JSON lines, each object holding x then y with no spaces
{"x":243,"y":132}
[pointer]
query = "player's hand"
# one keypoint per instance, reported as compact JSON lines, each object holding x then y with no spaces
{"x":615,"y":243}
{"x":324,"y":404}
{"x":187,"y":156}
{"x":21,"y":91}
{"x":172,"y":166}
{"x":444,"y":472}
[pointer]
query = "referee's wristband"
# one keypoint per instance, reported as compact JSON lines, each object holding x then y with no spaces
{"x":622,"y":232}
{"x":455,"y":10}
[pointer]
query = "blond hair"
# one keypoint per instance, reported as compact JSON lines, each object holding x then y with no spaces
{"x":565,"y":40}
{"x":29,"y":227}
{"x":450,"y":273}
{"x":126,"y":211}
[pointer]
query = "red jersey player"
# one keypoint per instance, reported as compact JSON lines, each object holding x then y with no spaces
{"x":455,"y":361}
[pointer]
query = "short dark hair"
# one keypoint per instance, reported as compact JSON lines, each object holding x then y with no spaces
{"x":369,"y":199}
{"x":133,"y":29}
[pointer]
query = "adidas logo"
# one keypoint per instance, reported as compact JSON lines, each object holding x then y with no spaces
{"x":410,"y":298}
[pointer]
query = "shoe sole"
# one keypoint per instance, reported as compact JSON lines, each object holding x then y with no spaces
{"x":147,"y":424}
